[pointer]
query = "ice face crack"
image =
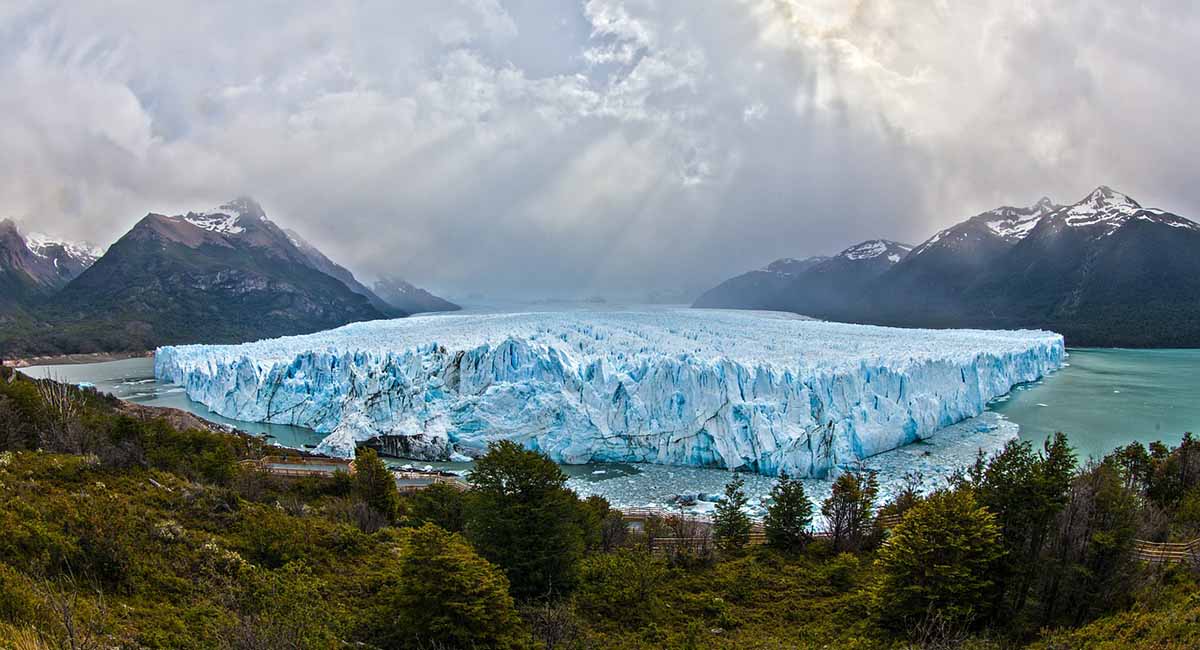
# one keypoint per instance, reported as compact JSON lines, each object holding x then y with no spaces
{"x":757,"y":391}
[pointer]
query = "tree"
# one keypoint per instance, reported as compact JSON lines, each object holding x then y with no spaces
{"x":440,"y":504}
{"x":849,"y":509}
{"x":789,"y":515}
{"x":374,"y":483}
{"x":731,"y":525}
{"x":521,"y":516}
{"x":938,"y":561}
{"x":447,"y":596}
{"x":1025,"y":491}
{"x":1088,"y":568}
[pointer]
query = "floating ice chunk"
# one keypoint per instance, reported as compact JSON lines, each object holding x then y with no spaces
{"x":755,"y":391}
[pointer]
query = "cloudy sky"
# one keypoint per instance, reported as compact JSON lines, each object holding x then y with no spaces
{"x":568,"y":147}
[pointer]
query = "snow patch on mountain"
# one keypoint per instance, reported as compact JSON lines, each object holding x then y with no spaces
{"x":758,"y":391}
{"x":40,"y":243}
{"x":875,"y":248}
{"x":1109,"y":209}
{"x":225,"y":218}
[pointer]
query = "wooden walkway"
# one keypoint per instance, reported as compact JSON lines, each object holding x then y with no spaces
{"x":1163,"y":552}
{"x":409,"y":482}
{"x":301,"y":466}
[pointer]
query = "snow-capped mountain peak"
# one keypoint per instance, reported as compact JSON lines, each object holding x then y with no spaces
{"x":874,"y":248}
{"x":226,"y":219}
{"x":1104,"y":204}
{"x":1012,"y":224}
{"x":1107,"y":210}
{"x":40,"y":244}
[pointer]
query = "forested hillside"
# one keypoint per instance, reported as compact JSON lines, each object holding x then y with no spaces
{"x":122,"y":530}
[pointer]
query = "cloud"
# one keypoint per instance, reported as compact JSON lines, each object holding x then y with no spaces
{"x":606,"y":146}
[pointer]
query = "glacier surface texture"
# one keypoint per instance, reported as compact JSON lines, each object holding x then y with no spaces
{"x":757,"y":391}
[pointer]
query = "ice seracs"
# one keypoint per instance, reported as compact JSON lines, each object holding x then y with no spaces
{"x":756,"y":391}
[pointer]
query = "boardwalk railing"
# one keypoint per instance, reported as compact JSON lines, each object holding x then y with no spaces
{"x":1162,"y":552}
{"x":409,"y":482}
{"x":301,"y":466}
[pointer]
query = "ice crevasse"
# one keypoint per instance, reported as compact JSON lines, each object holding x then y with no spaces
{"x":756,"y":391}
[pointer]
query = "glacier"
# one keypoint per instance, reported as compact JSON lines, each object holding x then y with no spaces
{"x":763,"y":392}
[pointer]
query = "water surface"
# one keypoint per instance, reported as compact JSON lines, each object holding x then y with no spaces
{"x":1107,"y":398}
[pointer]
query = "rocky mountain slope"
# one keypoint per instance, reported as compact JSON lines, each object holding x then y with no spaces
{"x":403,"y":296}
{"x":34,"y":266}
{"x":224,"y":275}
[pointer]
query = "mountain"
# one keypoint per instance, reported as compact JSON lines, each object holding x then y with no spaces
{"x":1104,"y":271}
{"x":412,"y":300}
{"x":759,"y":289}
{"x":930,"y":281}
{"x":818,"y":286}
{"x":69,"y":259}
{"x":831,"y":287}
{"x":35,"y":266}
{"x":224,"y":275}
{"x":320,"y":262}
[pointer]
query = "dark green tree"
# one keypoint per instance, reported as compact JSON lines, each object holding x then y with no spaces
{"x":1088,"y":566}
{"x":850,"y":509}
{"x":374,"y":483}
{"x":731,"y":524}
{"x":521,"y":516}
{"x":447,"y":596}
{"x":789,"y":515}
{"x":440,"y":504}
{"x":938,"y":559}
{"x":1026,"y":491}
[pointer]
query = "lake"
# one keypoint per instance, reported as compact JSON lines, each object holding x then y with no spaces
{"x":1103,"y":399}
{"x":1107,"y":398}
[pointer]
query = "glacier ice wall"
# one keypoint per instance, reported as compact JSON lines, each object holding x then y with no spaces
{"x":758,"y":391}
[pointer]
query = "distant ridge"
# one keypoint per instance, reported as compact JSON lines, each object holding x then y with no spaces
{"x":412,"y":300}
{"x":1103,"y":271}
{"x":223,"y":275}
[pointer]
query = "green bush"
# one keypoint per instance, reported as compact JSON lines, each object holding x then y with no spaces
{"x":447,"y":596}
{"x":439,"y":504}
{"x":939,"y":560}
{"x":620,"y":587}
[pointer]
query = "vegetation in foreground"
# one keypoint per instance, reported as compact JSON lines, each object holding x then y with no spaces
{"x":126,"y":532}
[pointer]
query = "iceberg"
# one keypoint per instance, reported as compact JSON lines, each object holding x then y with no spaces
{"x":762,"y":392}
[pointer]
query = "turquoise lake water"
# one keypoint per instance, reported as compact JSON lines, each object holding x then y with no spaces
{"x":1107,"y":398}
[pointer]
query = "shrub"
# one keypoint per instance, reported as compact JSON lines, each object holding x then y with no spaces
{"x":448,"y":595}
{"x":939,"y":559}
{"x":439,"y":504}
{"x":375,"y":484}
{"x":620,"y":586}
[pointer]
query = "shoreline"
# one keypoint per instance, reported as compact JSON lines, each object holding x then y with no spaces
{"x":74,"y":359}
